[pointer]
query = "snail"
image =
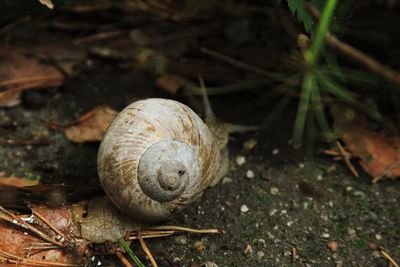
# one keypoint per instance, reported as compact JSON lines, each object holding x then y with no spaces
{"x":158,"y":156}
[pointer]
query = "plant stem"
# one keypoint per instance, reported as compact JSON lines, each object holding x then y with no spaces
{"x":313,"y":53}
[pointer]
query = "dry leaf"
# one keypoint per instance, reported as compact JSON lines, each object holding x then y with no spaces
{"x":171,"y":83}
{"x":17,"y":182}
{"x":378,"y":153}
{"x":19,"y":73}
{"x":18,"y":243}
{"x":91,"y":126}
{"x":47,"y":3}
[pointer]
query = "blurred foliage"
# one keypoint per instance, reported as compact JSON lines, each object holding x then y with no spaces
{"x":343,"y":12}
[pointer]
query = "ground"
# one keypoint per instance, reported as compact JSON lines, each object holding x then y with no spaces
{"x":286,"y":215}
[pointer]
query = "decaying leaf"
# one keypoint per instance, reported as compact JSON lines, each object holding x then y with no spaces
{"x":19,"y":73}
{"x":17,"y":182}
{"x":171,"y":83}
{"x":378,"y":152}
{"x":91,"y":126}
{"x":46,"y":237}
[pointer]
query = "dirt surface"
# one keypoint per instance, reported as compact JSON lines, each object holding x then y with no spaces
{"x":275,"y":207}
{"x":283,"y":216}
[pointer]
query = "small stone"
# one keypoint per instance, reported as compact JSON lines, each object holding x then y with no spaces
{"x":301,"y":165}
{"x":274,"y":191}
{"x":199,"y":246}
{"x":180,"y":240}
{"x":275,"y":151}
{"x":248,"y":249}
{"x":378,"y":237}
{"x":250,"y":144}
{"x":319,"y":177}
{"x":240,"y":160}
{"x":332,"y":245}
{"x":325,"y":235}
{"x":349,"y":188}
{"x":244,"y":208}
{"x":272,"y":212}
{"x":351,"y":232}
{"x":260,"y":254}
{"x":209,"y":264}
{"x":250,"y":174}
{"x":227,"y":180}
{"x":270,"y":236}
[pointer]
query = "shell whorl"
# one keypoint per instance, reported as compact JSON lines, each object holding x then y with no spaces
{"x":156,"y":158}
{"x":165,"y":169}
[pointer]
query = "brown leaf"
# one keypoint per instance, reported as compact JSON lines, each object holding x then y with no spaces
{"x":91,"y":126}
{"x":171,"y":83}
{"x":18,"y":243}
{"x":378,"y":152}
{"x":17,"y":182}
{"x":19,"y":73}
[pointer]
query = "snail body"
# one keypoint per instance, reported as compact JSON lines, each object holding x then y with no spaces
{"x":157,"y":157}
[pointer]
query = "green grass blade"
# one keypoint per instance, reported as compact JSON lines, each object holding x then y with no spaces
{"x":320,"y":113}
{"x":334,"y":88}
{"x":308,"y":86}
{"x":122,"y":243}
{"x":313,"y":53}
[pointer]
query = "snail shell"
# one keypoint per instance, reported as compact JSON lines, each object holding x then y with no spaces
{"x":156,"y":158}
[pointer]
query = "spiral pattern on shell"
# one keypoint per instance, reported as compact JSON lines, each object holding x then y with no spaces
{"x":156,"y":158}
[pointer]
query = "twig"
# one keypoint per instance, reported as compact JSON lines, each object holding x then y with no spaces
{"x":19,"y":222}
{"x":370,"y":63}
{"x":146,"y":250}
{"x":52,"y":227}
{"x":97,"y":37}
{"x":237,"y":63}
{"x":122,"y":258}
{"x":392,"y":262}
{"x":386,"y":171}
{"x":9,"y":257}
{"x":189,"y":230}
{"x":346,"y":157}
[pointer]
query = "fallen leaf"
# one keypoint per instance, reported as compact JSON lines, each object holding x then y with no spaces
{"x":171,"y":83}
{"x":17,"y":243}
{"x":16,"y":65}
{"x":47,"y":3}
{"x":91,"y":126}
{"x":378,"y":152}
{"x":17,"y":182}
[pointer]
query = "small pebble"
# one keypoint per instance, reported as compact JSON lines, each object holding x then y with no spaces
{"x":250,"y":144}
{"x":244,"y":208}
{"x":274,"y":191}
{"x":209,"y":264}
{"x":250,"y":174}
{"x":260,"y":254}
{"x":227,"y":180}
{"x":275,"y":151}
{"x":378,"y":237}
{"x":332,"y":245}
{"x":325,"y":235}
{"x":248,"y":249}
{"x":240,"y":160}
{"x":198,"y":245}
